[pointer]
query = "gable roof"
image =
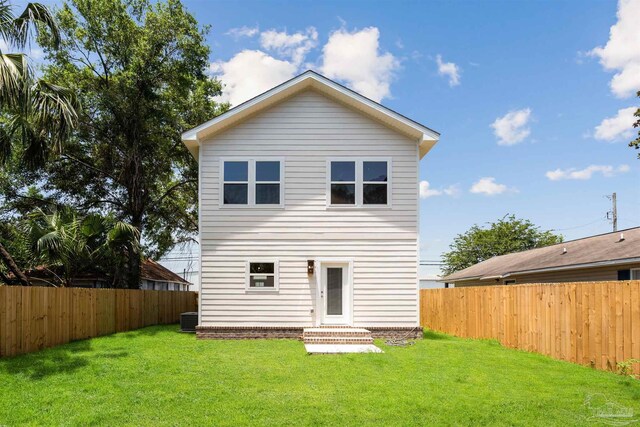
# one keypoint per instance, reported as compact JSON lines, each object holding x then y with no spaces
{"x":425,"y":136}
{"x":593,"y":251}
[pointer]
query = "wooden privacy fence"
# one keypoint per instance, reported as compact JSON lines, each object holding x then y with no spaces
{"x":591,"y":323}
{"x":33,"y":318}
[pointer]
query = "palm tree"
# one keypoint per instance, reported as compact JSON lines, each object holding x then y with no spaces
{"x":34,"y":113}
{"x":63,"y":240}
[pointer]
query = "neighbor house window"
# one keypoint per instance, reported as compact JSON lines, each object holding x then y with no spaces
{"x":262,"y":275}
{"x":635,"y":274}
{"x":252,"y":182}
{"x":361,"y":182}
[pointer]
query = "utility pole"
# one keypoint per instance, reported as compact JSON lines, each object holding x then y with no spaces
{"x":613,"y":212}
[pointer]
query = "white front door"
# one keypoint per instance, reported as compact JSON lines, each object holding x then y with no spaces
{"x":335,"y":294}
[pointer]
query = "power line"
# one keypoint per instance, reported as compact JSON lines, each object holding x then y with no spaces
{"x":578,"y":226}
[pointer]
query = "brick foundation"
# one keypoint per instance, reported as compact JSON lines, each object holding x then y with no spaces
{"x":261,"y":332}
{"x":408,"y":332}
{"x":247,"y":332}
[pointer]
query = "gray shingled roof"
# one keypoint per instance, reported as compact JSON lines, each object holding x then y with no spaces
{"x":602,"y":248}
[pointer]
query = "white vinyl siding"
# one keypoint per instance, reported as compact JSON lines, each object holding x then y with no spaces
{"x":307,"y":130}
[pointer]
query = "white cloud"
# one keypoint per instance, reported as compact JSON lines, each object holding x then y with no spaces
{"x":617,"y":127}
{"x":426,"y":191}
{"x":355,"y":58}
{"x":622,"y":51}
{"x":352,"y":57}
{"x":249,"y":73}
{"x":243,"y":31}
{"x":488,"y":186}
{"x":512,"y":127}
{"x":586,"y":173}
{"x":450,"y":70}
{"x":294,"y":46}
{"x":452,"y":190}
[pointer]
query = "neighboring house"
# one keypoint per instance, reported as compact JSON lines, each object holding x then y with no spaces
{"x":156,"y":277}
{"x":308,"y":203}
{"x":152,"y":276}
{"x":610,"y":256}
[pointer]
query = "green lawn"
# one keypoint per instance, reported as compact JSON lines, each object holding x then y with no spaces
{"x":158,"y":376}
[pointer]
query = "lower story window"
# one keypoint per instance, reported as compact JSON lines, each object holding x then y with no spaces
{"x":262,"y":275}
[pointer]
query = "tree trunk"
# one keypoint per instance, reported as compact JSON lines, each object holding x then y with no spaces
{"x":8,"y":261}
{"x":137,"y":204}
{"x":133,"y":276}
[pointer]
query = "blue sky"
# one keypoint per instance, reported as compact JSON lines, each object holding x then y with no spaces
{"x":460,"y":67}
{"x":533,"y":98}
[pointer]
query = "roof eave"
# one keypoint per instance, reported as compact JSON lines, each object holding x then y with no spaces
{"x":464,"y":279}
{"x":193,"y":146}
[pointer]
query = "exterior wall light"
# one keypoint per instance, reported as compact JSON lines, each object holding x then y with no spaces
{"x":310,"y":267}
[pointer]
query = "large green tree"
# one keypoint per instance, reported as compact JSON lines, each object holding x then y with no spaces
{"x":636,"y":142}
{"x":140,"y":69}
{"x":504,"y":236}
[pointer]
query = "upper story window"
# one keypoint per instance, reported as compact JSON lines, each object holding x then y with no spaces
{"x":343,"y":183}
{"x":359,"y":182}
{"x":252,"y":182}
{"x":267,"y":183}
{"x":236,"y":183}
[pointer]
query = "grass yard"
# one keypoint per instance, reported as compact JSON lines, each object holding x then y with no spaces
{"x":157,"y":376}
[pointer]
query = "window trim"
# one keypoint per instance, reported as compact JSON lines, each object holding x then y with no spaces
{"x":360,"y":182}
{"x":276,"y":275}
{"x":251,"y":183}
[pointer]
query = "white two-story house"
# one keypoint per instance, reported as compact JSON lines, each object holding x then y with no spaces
{"x":308,"y":205}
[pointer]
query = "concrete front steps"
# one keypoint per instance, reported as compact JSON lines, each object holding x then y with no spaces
{"x":338,"y":339}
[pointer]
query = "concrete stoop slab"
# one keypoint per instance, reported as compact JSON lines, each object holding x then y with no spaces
{"x":341,"y":348}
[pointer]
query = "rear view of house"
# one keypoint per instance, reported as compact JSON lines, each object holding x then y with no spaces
{"x":308,"y":202}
